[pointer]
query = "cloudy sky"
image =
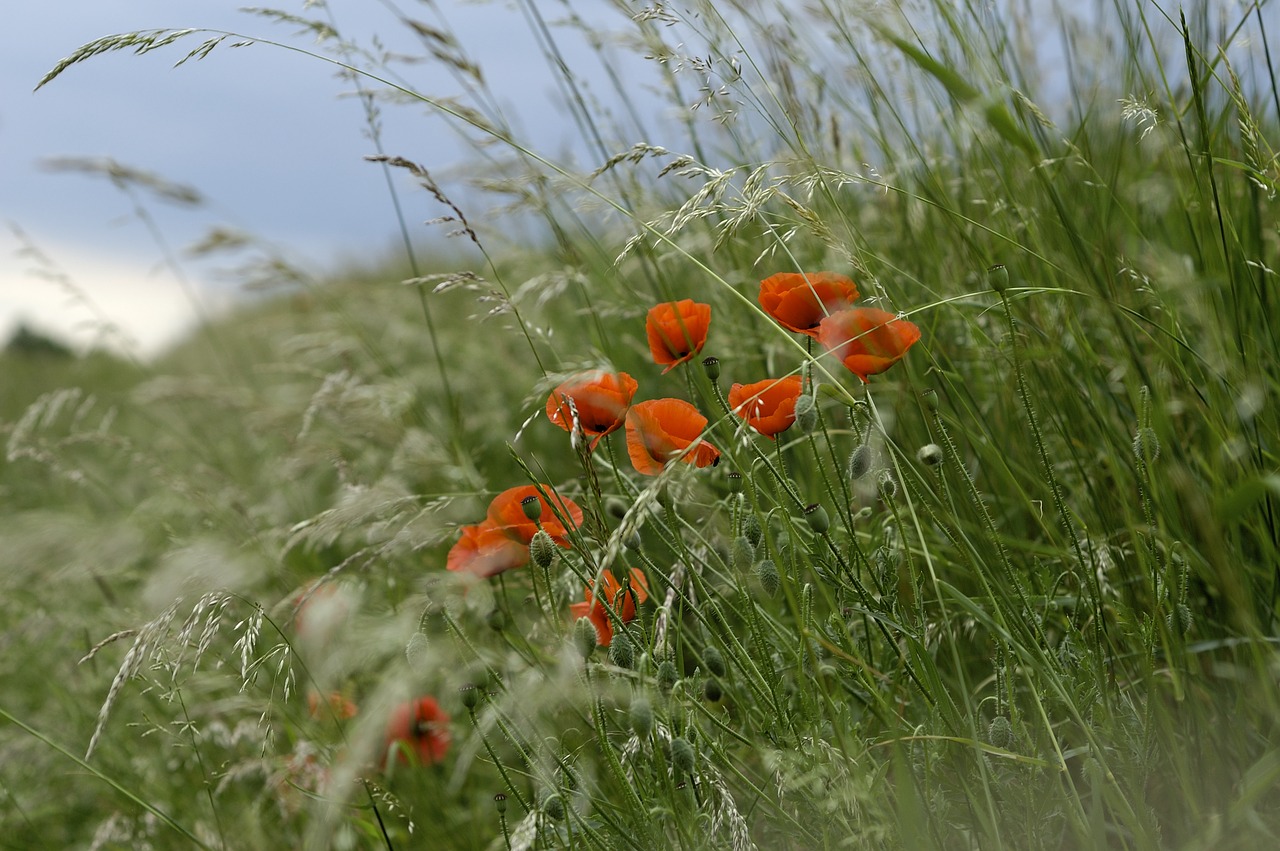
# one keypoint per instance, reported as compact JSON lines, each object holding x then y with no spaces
{"x":270,"y":138}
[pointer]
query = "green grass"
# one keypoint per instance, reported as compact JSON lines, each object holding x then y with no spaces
{"x":1061,"y":635}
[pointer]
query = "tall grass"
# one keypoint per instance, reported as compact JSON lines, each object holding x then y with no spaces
{"x":1018,"y":591}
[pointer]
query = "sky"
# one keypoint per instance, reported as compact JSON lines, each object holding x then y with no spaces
{"x":270,"y":139}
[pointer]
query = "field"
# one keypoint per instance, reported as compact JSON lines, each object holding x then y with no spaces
{"x":883,"y":453}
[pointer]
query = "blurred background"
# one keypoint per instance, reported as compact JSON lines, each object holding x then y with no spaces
{"x":112,"y":172}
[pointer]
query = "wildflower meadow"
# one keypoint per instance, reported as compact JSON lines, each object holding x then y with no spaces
{"x":877,"y":448}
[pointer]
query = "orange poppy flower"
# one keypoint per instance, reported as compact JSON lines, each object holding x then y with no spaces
{"x":418,"y":728}
{"x":802,"y":300}
{"x":866,"y":340}
{"x":677,"y":331}
{"x":600,"y":398}
{"x":661,"y":430}
{"x":768,"y":406}
{"x":337,"y":703}
{"x":501,"y":541}
{"x":624,"y":604}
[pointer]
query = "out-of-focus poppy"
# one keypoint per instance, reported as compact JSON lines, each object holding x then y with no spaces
{"x":799,"y":301}
{"x":338,"y":704}
{"x":867,"y":340}
{"x":501,"y":541}
{"x":600,"y":398}
{"x":624,"y":603}
{"x":768,"y":406}
{"x":417,"y":729}
{"x":661,"y":430}
{"x":677,"y":331}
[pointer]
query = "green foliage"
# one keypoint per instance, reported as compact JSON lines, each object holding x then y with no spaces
{"x":1020,"y":590}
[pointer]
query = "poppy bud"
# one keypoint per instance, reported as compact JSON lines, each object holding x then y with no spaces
{"x":860,"y":462}
{"x":714,"y":661}
{"x":496,"y":619}
{"x":743,"y":553}
{"x":553,"y":806}
{"x":667,"y":675}
{"x":416,"y":651}
{"x":542,"y":549}
{"x":500,"y":801}
{"x":711,"y":690}
{"x":1146,"y":446}
{"x":806,"y":413}
{"x":751,"y":530}
{"x":532,"y":507}
{"x":817,"y":518}
{"x":682,"y":756}
{"x":767,"y":573}
{"x":712,"y":366}
{"x":470,"y":696}
{"x":584,"y":637}
{"x":621,"y":651}
{"x":930,"y":397}
{"x":929,"y":455}
{"x":1179,"y":620}
{"x":641,"y":717}
{"x":887,"y":487}
{"x":998,"y":277}
{"x":633,"y":541}
{"x":1000,"y":733}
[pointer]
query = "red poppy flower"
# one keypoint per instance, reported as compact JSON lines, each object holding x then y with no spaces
{"x":624,"y":604}
{"x":768,"y":406}
{"x":501,"y":541}
{"x":802,"y":300}
{"x":677,"y":331}
{"x":866,"y":340}
{"x":418,"y":728}
{"x":661,"y":430}
{"x":600,"y":398}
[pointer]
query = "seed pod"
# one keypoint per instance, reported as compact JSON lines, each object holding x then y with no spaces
{"x":767,"y":573}
{"x":542,"y":549}
{"x":711,"y":690}
{"x":714,"y":661}
{"x":641,"y":717}
{"x":998,"y":277}
{"x":532,"y":507}
{"x":622,"y":652}
{"x":682,"y":755}
{"x":817,"y":518}
{"x":929,"y":455}
{"x":712,"y":366}
{"x":470,"y":696}
{"x":930,"y":397}
{"x":734,"y":478}
{"x":860,"y":462}
{"x":500,"y":801}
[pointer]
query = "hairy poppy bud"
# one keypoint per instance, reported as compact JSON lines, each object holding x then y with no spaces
{"x":1179,"y":620}
{"x":416,"y":651}
{"x":711,"y":690}
{"x":887,"y":487}
{"x":1146,"y":446}
{"x":553,"y":806}
{"x":1000,"y":733}
{"x":532,"y":507}
{"x":751,"y":530}
{"x":641,"y":717}
{"x":860,"y":462}
{"x":616,"y":508}
{"x":712,"y":366}
{"x":714,"y":661}
{"x":767,"y":573}
{"x":496,"y":619}
{"x":998,"y":277}
{"x":817,"y":518}
{"x":542,"y":549}
{"x":806,"y":413}
{"x":743,"y":553}
{"x":667,"y":675}
{"x":584,"y":637}
{"x":682,"y":756}
{"x":621,"y":652}
{"x":929,"y":455}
